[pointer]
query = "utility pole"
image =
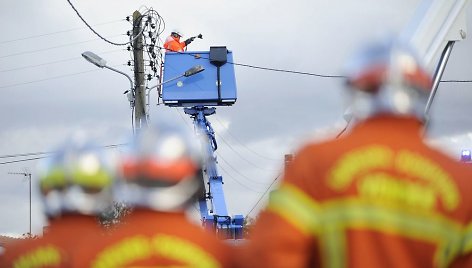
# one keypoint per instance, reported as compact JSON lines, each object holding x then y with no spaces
{"x":28,"y":176}
{"x":139,"y":113}
{"x":288,"y":158}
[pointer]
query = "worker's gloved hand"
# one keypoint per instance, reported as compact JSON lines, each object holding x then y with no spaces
{"x":190,"y":40}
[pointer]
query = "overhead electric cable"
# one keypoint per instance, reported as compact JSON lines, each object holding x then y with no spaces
{"x":236,"y":139}
{"x":48,"y":48}
{"x":226,"y":162}
{"x":287,"y":71}
{"x":456,"y":81}
{"x":47,"y":79}
{"x":22,"y":160}
{"x":250,"y":211}
{"x":241,"y":156}
{"x":183,"y":119}
{"x":238,"y":172}
{"x":238,"y":182}
{"x":296,"y":72}
{"x":58,"y":32}
{"x":103,"y":38}
{"x":265,"y":68}
{"x":51,"y":152}
{"x":51,"y":62}
{"x":23,"y":154}
{"x":51,"y":78}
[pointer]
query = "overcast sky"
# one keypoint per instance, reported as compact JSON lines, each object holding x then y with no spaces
{"x":49,"y":91}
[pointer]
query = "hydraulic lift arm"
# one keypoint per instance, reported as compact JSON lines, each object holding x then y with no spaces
{"x":432,"y":32}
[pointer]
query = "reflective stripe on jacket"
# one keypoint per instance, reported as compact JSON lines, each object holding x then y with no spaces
{"x":55,"y":248}
{"x":155,"y":239}
{"x":377,"y":197}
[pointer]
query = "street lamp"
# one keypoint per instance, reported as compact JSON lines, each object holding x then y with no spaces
{"x":194,"y":70}
{"x":101,"y":63}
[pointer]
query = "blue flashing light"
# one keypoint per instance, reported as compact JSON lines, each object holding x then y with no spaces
{"x":466,"y":156}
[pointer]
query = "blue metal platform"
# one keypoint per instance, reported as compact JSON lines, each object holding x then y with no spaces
{"x":199,"y":89}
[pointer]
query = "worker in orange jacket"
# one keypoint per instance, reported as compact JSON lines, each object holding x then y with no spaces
{"x":173,"y":43}
{"x":75,"y":185}
{"x":160,"y":180}
{"x":378,"y":196}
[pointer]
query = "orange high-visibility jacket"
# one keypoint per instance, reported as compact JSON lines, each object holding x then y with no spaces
{"x":173,"y":44}
{"x":378,"y":197}
{"x":155,"y":239}
{"x":55,"y":247}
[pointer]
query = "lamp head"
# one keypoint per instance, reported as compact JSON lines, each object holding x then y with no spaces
{"x":94,"y":58}
{"x":194,"y":70}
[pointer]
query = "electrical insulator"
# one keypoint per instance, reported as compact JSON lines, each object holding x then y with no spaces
{"x":153,"y":55}
{"x":153,"y":25}
{"x":128,"y":33}
{"x":128,"y":48}
{"x":150,"y":34}
{"x":129,"y":63}
{"x":151,"y":64}
{"x":127,"y":18}
{"x":149,"y":77}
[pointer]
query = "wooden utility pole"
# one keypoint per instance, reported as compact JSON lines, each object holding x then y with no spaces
{"x":140,"y":105}
{"x":288,"y":158}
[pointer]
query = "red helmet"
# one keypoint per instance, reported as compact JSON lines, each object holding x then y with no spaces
{"x":162,"y":169}
{"x":387,"y":78}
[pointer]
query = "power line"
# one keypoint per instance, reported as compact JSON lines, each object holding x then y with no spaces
{"x":50,"y":78}
{"x":47,"y":79}
{"x":48,"y":153}
{"x":101,"y":37}
{"x":236,"y":139}
{"x":48,"y":48}
{"x":53,"y":33}
{"x":293,"y":71}
{"x":51,"y":152}
{"x":240,"y":156}
{"x":23,"y":154}
{"x":237,"y":171}
{"x":245,"y":65}
{"x":287,"y":71}
{"x":247,"y":215}
{"x":226,"y":162}
{"x":456,"y":81}
{"x":238,"y":182}
{"x":265,"y":68}
{"x":51,"y":62}
{"x":22,"y":160}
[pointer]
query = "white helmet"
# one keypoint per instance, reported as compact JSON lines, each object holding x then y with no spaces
{"x":387,"y":78}
{"x":177,"y":31}
{"x":76,"y":179}
{"x":162,"y":169}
